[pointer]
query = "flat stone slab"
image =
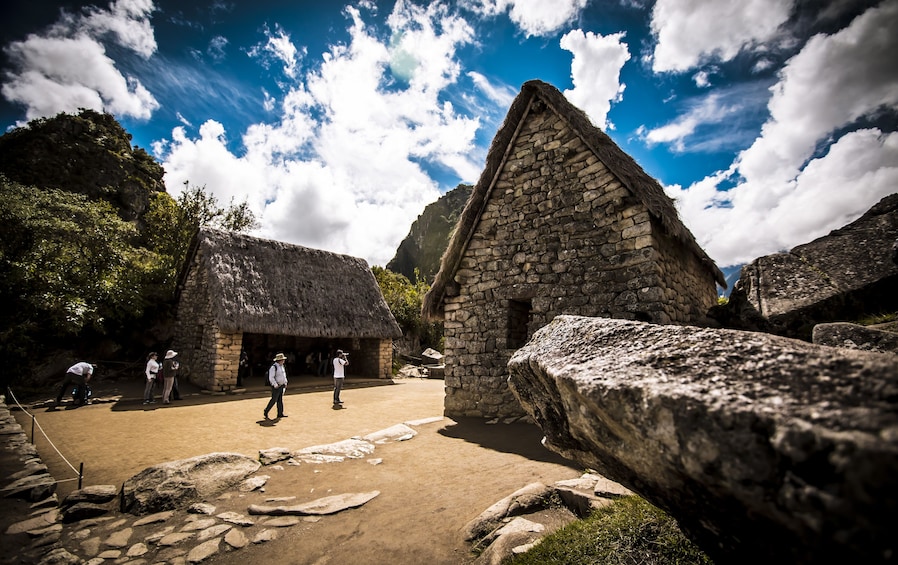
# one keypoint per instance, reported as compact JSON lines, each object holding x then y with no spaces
{"x":37,"y":523}
{"x":348,"y":448}
{"x":320,"y":507}
{"x":399,"y":432}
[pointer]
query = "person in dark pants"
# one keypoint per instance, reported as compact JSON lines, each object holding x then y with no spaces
{"x":78,"y":375}
{"x":151,"y":372}
{"x":243,"y":368}
{"x":277,"y":380}
{"x":340,"y":361}
{"x":170,"y":367}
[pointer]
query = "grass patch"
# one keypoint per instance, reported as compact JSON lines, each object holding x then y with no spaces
{"x":629,"y":532}
{"x":874,"y":319}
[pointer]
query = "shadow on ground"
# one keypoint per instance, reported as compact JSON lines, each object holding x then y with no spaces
{"x":127,"y":394}
{"x":520,"y":438}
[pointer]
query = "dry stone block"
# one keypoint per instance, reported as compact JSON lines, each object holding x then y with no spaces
{"x":764,"y":448}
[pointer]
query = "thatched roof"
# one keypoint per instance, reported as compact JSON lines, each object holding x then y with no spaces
{"x":627,"y":171}
{"x":272,"y":287}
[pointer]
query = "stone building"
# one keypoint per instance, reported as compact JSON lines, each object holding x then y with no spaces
{"x":562,"y":221}
{"x":240,"y":292}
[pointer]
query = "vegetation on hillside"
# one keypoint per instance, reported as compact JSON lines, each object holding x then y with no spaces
{"x":96,"y":258}
{"x":404,"y":299}
{"x":419,"y":254}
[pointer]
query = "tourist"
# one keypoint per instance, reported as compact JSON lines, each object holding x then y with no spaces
{"x":151,"y":371}
{"x":340,"y":361}
{"x":78,"y":375}
{"x":170,"y":368}
{"x":243,"y":368}
{"x":323,"y":358}
{"x":277,"y":380}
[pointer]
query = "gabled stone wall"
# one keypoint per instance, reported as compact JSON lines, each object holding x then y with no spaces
{"x":559,"y":235}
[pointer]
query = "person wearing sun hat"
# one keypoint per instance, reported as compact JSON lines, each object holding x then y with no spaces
{"x":170,"y":368}
{"x":277,"y":379}
{"x":151,"y":371}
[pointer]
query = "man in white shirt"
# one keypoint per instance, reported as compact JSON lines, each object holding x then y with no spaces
{"x":340,"y":361}
{"x":277,"y":379}
{"x":78,"y":375}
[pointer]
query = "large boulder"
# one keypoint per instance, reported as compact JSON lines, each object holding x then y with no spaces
{"x":837,"y":277}
{"x":854,"y":336}
{"x":765,"y":449}
{"x":177,"y":484}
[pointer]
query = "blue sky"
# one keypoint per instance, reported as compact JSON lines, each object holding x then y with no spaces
{"x":770,"y":122}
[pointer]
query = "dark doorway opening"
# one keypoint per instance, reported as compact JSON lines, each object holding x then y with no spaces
{"x":520,"y":314}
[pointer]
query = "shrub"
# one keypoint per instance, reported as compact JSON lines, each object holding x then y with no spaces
{"x":629,"y":531}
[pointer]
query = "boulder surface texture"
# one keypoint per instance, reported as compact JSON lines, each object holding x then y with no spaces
{"x":765,"y":449}
{"x":178,"y":484}
{"x":836,"y":277}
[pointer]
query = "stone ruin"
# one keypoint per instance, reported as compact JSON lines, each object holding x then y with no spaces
{"x":838,"y":277}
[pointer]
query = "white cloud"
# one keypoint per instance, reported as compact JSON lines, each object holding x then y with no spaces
{"x":67,"y":67}
{"x":279,"y":47}
{"x":340,"y":169}
{"x":127,"y":20}
{"x":502,"y":95}
{"x":787,"y":193}
{"x":533,"y":17}
{"x":216,"y":48}
{"x":831,"y":82}
{"x":713,"y":109}
{"x":690,"y":32}
{"x":702,"y":78}
{"x":595,"y":72}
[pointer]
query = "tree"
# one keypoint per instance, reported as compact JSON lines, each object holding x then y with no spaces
{"x":67,"y":265}
{"x":171,"y":225}
{"x":72,"y":268}
{"x":404,"y":299}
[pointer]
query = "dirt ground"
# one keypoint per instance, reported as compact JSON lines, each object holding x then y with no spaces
{"x":430,"y":486}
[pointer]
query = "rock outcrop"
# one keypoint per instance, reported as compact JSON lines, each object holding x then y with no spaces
{"x":834,"y":278}
{"x":175,"y":484}
{"x":854,"y":336}
{"x":429,"y":235}
{"x":89,"y":153}
{"x":765,"y":449}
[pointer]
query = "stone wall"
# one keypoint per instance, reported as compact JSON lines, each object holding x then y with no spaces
{"x":209,"y":356}
{"x":371,"y":358}
{"x":559,"y":235}
{"x":195,"y":327}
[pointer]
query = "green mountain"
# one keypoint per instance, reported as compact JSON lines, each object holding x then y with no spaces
{"x":429,"y":236}
{"x":89,"y":153}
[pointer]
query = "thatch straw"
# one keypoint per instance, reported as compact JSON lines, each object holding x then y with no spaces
{"x":627,"y":171}
{"x":265,"y":286}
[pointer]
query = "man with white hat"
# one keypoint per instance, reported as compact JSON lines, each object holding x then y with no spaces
{"x":170,"y":368}
{"x":277,"y":379}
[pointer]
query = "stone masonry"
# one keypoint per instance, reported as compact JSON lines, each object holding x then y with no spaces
{"x":210,"y":357}
{"x":559,"y":234}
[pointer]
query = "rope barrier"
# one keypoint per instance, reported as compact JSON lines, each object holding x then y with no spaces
{"x":34,"y":423}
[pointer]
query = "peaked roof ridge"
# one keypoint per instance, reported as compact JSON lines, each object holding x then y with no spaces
{"x":625,"y":168}
{"x":622,"y":165}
